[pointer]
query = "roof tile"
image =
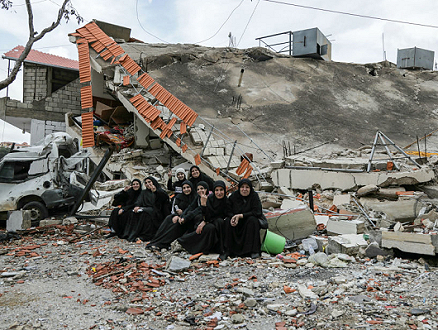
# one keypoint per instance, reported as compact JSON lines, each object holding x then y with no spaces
{"x":38,"y":57}
{"x":87,"y":129}
{"x":86,"y":97}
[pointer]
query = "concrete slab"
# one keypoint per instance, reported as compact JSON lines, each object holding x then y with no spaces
{"x":291,"y":204}
{"x":347,"y":243}
{"x":293,"y":224}
{"x":431,"y":191}
{"x":18,"y":220}
{"x":339,"y":200}
{"x":304,"y":179}
{"x":339,"y":227}
{"x":321,"y":219}
{"x":401,"y":210}
{"x":410,"y":247}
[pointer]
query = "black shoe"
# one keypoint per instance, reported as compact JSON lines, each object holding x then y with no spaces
{"x":111,"y":234}
{"x":223,"y":256}
{"x":255,"y":255}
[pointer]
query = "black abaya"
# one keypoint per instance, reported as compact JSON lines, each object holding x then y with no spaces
{"x":154,"y":208}
{"x":211,"y":237}
{"x":243,"y":240}
{"x":127,"y":199}
{"x":169,"y":231}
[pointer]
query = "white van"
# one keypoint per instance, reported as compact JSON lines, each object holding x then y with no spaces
{"x":42,"y":177}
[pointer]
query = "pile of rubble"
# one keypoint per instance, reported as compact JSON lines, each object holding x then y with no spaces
{"x":55,"y":277}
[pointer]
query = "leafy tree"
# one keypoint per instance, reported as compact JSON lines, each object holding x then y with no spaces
{"x":65,"y":12}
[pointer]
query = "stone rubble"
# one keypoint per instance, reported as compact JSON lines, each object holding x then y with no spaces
{"x":54,"y":278}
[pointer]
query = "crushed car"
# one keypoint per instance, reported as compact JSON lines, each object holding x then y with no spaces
{"x":49,"y":175}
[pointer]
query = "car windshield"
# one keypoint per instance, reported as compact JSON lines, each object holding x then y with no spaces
{"x":22,"y":170}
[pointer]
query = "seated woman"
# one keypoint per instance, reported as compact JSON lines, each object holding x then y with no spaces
{"x":151,"y":207}
{"x":207,"y":236}
{"x":242,"y":231}
{"x":126,"y":198}
{"x":176,"y":186}
{"x":196,"y":176}
{"x":177,"y":223}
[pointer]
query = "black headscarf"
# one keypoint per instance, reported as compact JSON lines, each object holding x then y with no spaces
{"x":217,"y":208}
{"x":147,"y":197}
{"x":182,"y":200}
{"x":202,"y":177}
{"x":195,"y":207}
{"x":127,"y":198}
{"x":247,"y":205}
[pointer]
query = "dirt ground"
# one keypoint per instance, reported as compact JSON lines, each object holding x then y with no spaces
{"x":50,"y":279}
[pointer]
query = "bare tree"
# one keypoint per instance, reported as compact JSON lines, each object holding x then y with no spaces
{"x":66,"y":11}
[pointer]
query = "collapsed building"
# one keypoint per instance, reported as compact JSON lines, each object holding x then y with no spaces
{"x":125,"y":89}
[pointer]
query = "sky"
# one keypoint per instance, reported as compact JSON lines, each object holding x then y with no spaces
{"x":355,"y":36}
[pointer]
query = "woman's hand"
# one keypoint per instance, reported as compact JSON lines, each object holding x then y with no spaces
{"x":200,"y":227}
{"x":179,"y":211}
{"x":120,"y":211}
{"x":204,"y":200}
{"x":136,"y":209}
{"x":235,"y":219}
{"x":181,"y":221}
{"x":175,"y":219}
{"x":127,"y":188}
{"x":169,"y":174}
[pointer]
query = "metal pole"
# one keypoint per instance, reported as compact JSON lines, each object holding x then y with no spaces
{"x":93,"y":179}
{"x":311,"y":200}
{"x":372,"y":151}
{"x":229,"y":160}
{"x":290,"y":43}
{"x":206,"y":142}
{"x":399,"y":149}
{"x":388,"y":152}
{"x":363,"y":211}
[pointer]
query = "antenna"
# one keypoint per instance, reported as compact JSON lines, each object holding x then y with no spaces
{"x":232,"y":40}
{"x":383,"y":46}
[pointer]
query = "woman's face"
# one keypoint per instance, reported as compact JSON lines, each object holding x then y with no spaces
{"x":135,"y":185}
{"x":149,"y":184}
{"x":187,"y":189}
{"x":219,"y":192}
{"x":195,"y":172}
{"x":245,"y":189}
{"x":201,"y":190}
{"x":180,"y":176}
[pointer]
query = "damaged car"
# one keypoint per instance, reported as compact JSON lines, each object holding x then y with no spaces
{"x":47,"y":176}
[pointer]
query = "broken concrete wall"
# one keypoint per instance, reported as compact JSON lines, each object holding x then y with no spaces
{"x":293,"y":224}
{"x":304,"y":179}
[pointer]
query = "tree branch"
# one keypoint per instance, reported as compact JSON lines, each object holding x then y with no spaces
{"x":63,"y":12}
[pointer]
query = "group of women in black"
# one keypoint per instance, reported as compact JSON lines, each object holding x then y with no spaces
{"x":201,"y":217}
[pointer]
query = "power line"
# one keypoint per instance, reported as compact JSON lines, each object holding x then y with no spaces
{"x":351,"y":14}
{"x":222,"y":23}
{"x":250,"y":18}
{"x":138,"y":19}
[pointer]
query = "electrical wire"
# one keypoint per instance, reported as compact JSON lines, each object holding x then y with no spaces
{"x":249,"y":20}
{"x":351,"y":14}
{"x":222,"y":24}
{"x":138,"y":19}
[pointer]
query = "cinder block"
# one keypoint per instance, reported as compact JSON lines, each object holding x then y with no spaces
{"x":18,"y":220}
